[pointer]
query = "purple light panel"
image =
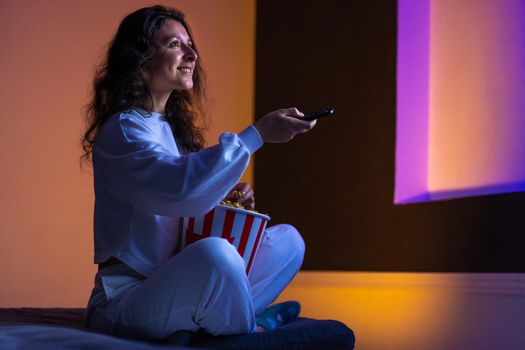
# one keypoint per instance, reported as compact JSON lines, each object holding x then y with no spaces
{"x":460,"y":99}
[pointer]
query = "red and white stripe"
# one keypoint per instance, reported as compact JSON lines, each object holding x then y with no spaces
{"x":242,"y":230}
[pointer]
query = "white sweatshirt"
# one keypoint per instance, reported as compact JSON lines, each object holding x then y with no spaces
{"x":143,"y":185}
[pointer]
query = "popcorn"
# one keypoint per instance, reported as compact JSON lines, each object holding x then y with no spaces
{"x":236,"y":203}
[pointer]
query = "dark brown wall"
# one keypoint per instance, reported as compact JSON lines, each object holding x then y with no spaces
{"x":336,"y":183}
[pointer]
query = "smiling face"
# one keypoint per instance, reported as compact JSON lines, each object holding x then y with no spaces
{"x":176,"y":60}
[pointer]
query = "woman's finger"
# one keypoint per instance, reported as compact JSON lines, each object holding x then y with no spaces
{"x":292,"y":112}
{"x":249,"y":203}
{"x":244,"y":187}
{"x":247,"y":194}
{"x":244,"y":191}
{"x":240,"y":192}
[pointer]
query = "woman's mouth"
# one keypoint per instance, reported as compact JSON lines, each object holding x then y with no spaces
{"x":186,"y":70}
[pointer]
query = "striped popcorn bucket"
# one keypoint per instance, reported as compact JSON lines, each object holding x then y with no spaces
{"x":242,"y":228}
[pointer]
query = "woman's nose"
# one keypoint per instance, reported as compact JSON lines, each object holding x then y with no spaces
{"x":189,"y":54}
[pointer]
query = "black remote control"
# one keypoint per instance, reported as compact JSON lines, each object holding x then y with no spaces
{"x":319,"y":114}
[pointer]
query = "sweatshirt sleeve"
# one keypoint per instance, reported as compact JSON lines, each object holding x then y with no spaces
{"x":131,"y":163}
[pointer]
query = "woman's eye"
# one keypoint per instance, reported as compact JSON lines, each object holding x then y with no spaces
{"x":175,"y":43}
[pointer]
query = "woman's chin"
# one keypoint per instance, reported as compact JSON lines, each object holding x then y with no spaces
{"x":185,"y":86}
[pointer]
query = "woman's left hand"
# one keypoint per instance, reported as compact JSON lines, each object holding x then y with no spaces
{"x":246,"y":197}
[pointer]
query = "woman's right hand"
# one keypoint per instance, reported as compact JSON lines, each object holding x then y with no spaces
{"x":282,"y":125}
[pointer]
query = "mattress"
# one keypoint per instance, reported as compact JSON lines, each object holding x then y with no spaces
{"x":63,"y":328}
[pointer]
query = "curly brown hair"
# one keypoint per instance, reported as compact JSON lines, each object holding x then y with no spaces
{"x":120,"y":82}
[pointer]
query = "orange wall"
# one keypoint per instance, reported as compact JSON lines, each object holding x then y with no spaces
{"x":49,"y":50}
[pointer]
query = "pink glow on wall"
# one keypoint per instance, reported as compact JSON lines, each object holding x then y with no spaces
{"x":474,"y":133}
{"x":412,"y":100}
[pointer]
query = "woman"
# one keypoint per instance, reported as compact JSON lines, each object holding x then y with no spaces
{"x":150,"y":169}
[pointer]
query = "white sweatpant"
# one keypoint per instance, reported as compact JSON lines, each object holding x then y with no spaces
{"x":204,"y":286}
